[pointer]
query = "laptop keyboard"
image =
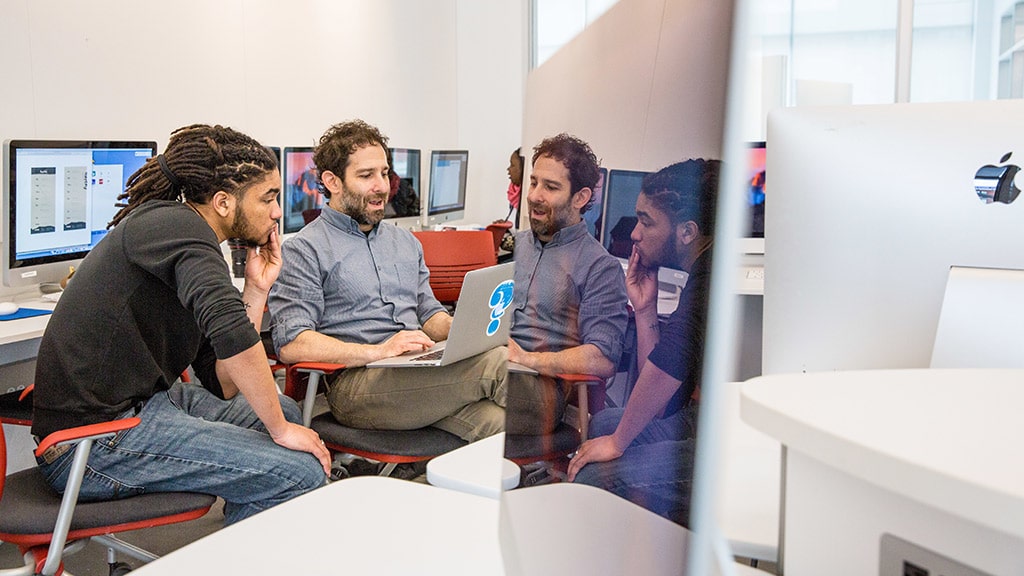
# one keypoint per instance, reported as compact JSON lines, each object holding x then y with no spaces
{"x":435,"y":355}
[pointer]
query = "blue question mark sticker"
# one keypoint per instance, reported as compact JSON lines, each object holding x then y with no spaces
{"x":501,"y":299}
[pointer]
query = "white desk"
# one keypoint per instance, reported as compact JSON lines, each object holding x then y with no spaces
{"x":931,"y":456}
{"x":19,"y":343}
{"x":363,"y":525}
{"x":478,"y":468}
{"x":22,"y":329}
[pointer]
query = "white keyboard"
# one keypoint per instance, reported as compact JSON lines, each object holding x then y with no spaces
{"x":52,"y":297}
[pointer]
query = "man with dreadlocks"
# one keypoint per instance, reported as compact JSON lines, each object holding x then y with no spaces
{"x":645,"y":452}
{"x":155,"y":296}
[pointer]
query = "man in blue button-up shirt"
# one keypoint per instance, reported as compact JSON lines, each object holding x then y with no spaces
{"x":353,"y":290}
{"x":570,"y":294}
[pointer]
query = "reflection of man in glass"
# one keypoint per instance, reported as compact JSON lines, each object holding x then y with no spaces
{"x":645,"y":451}
{"x":570,"y":297}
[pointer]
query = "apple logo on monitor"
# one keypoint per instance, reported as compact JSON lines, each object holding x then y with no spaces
{"x":995,"y":183}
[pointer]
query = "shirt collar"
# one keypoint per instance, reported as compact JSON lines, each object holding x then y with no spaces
{"x":565,"y":235}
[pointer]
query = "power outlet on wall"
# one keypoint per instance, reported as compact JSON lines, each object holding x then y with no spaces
{"x":898,"y":557}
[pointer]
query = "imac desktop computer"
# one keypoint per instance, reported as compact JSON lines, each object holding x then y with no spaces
{"x":753,"y":242}
{"x":446,"y":199}
{"x":871,"y":207}
{"x":403,"y":207}
{"x":301,"y":199}
{"x":619,"y":210}
{"x":58,"y":197}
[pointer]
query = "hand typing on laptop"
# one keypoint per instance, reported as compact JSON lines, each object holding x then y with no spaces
{"x":406,"y":342}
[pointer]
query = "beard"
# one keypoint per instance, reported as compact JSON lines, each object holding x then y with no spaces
{"x":552,"y":220}
{"x":358,"y":207}
{"x":664,"y":255}
{"x":243,"y":228}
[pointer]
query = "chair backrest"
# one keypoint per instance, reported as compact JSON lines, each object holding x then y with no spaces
{"x":498,"y":229}
{"x":449,"y":254}
{"x":981,"y":324}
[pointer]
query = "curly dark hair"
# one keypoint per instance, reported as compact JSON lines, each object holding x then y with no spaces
{"x":339,"y":142}
{"x":577,"y":156}
{"x":199,"y":160}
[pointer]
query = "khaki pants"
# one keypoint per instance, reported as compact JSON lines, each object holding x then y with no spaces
{"x":466,"y":398}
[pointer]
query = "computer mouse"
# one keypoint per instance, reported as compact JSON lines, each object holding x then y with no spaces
{"x":8,"y":308}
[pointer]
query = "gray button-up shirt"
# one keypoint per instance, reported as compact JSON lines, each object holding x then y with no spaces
{"x":359,"y":288}
{"x":568,"y":292}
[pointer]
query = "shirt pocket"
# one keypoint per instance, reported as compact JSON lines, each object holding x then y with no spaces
{"x":399,"y":283}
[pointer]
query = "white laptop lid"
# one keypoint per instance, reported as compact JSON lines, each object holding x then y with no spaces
{"x":480,"y":322}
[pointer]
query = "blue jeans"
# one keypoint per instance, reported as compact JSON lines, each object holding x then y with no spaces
{"x":656,"y":470}
{"x":191,"y":441}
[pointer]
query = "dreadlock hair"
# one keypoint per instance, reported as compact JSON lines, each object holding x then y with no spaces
{"x":577,"y":156}
{"x":686,"y":191}
{"x":339,"y":142}
{"x":199,"y":161}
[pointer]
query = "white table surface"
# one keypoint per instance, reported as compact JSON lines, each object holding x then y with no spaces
{"x":362,"y":525}
{"x":478,"y":468}
{"x":12,"y":331}
{"x":949,"y":439}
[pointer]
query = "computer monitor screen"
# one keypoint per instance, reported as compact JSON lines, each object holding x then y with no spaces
{"x":302,"y":196}
{"x":620,"y":210}
{"x":871,"y":206}
{"x":593,"y":216}
{"x":756,"y":189}
{"x":277,"y":154}
{"x":446,"y":199}
{"x":405,"y":190}
{"x":58,"y":198}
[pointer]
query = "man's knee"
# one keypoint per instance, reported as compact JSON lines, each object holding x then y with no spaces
{"x":309,"y":473}
{"x":489,"y":419}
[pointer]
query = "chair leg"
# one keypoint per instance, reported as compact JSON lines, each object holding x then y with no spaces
{"x":67,"y":508}
{"x":310,"y":399}
{"x":113,"y":543}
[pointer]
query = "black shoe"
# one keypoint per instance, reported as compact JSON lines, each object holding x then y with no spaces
{"x":410,"y":470}
{"x":360,"y":467}
{"x":339,"y":473}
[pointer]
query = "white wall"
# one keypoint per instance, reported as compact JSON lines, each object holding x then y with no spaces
{"x":430,"y":73}
{"x":645,"y":84}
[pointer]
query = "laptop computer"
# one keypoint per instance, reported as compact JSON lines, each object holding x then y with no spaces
{"x":480,"y":322}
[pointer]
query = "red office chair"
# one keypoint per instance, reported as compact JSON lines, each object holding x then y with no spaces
{"x":449,"y":254}
{"x":45,"y":526}
{"x":392,"y":447}
{"x":498,"y":229}
{"x":16,"y":407}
